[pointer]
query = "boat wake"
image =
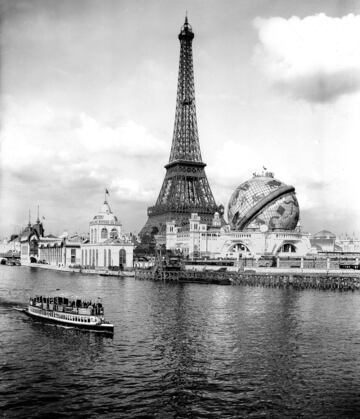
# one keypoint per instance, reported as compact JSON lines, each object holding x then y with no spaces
{"x":18,"y":309}
{"x":10,"y":303}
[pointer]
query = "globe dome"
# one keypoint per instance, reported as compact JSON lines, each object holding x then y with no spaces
{"x":263,"y":203}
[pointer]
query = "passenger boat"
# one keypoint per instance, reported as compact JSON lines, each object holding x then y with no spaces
{"x":69,"y":312}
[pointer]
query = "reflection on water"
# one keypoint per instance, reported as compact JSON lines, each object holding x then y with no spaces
{"x":180,"y":351}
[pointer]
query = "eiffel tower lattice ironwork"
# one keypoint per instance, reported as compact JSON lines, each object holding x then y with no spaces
{"x":185,"y":189}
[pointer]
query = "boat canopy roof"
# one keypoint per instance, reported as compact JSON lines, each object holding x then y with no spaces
{"x":67,"y":297}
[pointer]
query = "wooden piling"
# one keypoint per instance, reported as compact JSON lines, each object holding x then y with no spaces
{"x":299,"y":281}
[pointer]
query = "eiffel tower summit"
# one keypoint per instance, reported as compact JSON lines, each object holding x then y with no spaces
{"x":185,"y":189}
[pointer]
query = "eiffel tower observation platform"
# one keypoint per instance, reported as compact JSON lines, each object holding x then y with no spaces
{"x":185,"y":189}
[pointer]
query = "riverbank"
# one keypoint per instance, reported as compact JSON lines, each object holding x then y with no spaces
{"x":101,"y":272}
{"x":279,"y":271}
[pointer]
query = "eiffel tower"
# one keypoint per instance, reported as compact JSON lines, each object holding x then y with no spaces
{"x":185,"y":189}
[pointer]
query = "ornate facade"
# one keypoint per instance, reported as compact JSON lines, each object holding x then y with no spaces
{"x":29,"y":242}
{"x":108,"y":246}
{"x":217,"y":241}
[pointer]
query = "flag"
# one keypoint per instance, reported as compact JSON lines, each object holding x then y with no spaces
{"x":43,"y":218}
{"x":107,"y":192}
{"x":264,"y":168}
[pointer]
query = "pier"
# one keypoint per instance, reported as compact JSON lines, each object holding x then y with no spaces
{"x":204,"y":277}
{"x":334,"y":281}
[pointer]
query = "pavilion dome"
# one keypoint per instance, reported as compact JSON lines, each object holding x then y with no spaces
{"x":105,"y":213}
{"x":263,"y":203}
{"x":324,"y":234}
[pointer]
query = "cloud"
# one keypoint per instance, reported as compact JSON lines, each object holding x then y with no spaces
{"x":65,"y":159}
{"x":128,"y":189}
{"x":316,"y":58}
{"x":131,"y":139}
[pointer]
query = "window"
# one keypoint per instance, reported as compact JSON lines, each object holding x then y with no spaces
{"x":122,"y":257}
{"x":104,"y":257}
{"x":114,"y":233}
{"x":104,"y":233}
{"x":109,"y":257}
{"x":97,"y":258}
{"x":73,"y":255}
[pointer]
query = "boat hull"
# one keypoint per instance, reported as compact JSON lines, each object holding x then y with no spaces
{"x":101,"y":328}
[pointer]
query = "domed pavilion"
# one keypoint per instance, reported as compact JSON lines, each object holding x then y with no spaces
{"x":108,"y":246}
{"x":105,"y":225}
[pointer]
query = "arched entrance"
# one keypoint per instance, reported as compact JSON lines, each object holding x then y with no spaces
{"x":122,"y":258}
{"x":287,"y":248}
{"x":239,"y":248}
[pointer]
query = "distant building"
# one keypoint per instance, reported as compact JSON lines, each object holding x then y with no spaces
{"x":10,"y":245}
{"x":61,"y":250}
{"x":348,"y":244}
{"x":72,"y":249}
{"x":10,"y":248}
{"x":107,"y":245}
{"x":327,"y":242}
{"x":324,"y":241}
{"x":29,"y":242}
{"x":51,"y":250}
{"x":196,"y":238}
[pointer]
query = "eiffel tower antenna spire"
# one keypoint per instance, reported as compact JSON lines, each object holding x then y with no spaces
{"x":185,"y":189}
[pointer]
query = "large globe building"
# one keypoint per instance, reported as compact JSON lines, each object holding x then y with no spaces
{"x":263,"y":221}
{"x":263,"y":203}
{"x":263,"y":215}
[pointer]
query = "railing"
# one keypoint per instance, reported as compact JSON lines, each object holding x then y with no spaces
{"x":160,"y":209}
{"x":96,"y":222}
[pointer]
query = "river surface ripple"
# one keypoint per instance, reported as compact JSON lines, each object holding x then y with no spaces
{"x":180,"y":351}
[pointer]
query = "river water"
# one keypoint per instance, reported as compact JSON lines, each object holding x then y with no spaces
{"x":180,"y":351}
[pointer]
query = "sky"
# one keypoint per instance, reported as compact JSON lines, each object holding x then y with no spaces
{"x":88,"y":94}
